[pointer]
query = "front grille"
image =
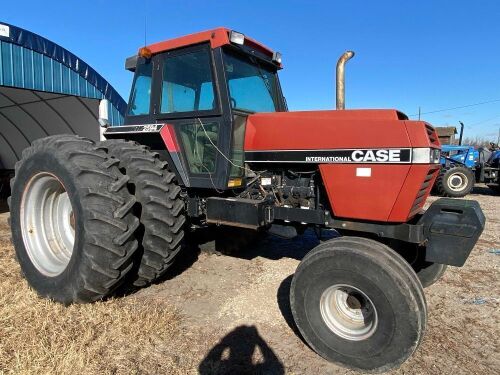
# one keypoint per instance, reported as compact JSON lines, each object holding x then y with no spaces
{"x":431,"y":133}
{"x":424,"y":190}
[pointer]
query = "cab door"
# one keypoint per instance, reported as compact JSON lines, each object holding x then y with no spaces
{"x":186,"y":95}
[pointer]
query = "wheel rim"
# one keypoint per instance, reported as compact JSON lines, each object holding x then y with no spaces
{"x":458,"y":181}
{"x":348,"y":312}
{"x":47,"y":224}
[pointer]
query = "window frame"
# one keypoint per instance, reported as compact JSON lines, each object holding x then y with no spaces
{"x":146,"y":117}
{"x":160,"y":59}
{"x":280,"y":105}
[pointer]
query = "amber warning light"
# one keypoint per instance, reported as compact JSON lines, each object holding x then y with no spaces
{"x":145,"y":52}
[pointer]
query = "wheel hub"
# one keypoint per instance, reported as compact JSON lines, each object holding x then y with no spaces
{"x":348,"y":312}
{"x":47,"y":224}
{"x":458,"y":181}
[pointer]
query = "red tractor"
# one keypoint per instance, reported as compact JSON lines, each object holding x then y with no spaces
{"x":208,"y":141}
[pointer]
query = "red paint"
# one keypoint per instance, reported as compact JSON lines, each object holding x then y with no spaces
{"x":417,"y":132}
{"x":169,"y":138}
{"x":370,"y":198}
{"x":325,"y":130}
{"x":389,"y":193}
{"x":217,"y":37}
{"x":402,"y":210}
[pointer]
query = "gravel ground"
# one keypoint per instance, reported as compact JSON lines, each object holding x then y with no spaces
{"x":232,"y":313}
{"x":236,"y":311}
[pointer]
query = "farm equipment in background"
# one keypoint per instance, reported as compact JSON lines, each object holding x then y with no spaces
{"x":488,"y":167}
{"x":208,"y":141}
{"x":457,"y":175}
{"x":463,"y":165}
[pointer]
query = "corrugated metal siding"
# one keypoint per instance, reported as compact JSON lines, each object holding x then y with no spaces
{"x":24,"y":68}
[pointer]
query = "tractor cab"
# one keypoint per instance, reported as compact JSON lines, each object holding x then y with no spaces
{"x":202,"y":87}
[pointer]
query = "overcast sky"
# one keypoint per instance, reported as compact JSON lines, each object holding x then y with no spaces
{"x":434,"y":54}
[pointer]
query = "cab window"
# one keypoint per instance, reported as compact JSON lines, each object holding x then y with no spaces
{"x":252,"y":85}
{"x":187,"y":84}
{"x":199,"y":140}
{"x":140,"y":96}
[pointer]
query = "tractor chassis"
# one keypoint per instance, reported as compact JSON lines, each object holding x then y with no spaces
{"x":448,"y":229}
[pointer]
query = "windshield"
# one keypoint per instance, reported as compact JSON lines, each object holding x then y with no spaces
{"x":252,"y":86}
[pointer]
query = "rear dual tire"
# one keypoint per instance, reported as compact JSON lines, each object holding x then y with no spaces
{"x":358,"y":303}
{"x":159,"y":206}
{"x":71,"y":220}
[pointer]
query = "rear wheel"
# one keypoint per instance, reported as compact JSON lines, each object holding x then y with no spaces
{"x":160,"y":205}
{"x":71,"y":220}
{"x":358,"y":303}
{"x":455,"y":181}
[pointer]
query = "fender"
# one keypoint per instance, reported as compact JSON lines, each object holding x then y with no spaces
{"x":157,"y":137}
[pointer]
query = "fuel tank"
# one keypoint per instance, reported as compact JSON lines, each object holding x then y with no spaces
{"x":375,"y":164}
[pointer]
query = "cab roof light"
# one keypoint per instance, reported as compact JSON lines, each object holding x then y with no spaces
{"x":277,"y":57}
{"x":236,"y":37}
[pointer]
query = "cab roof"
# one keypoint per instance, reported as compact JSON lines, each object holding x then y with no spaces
{"x":217,"y":37}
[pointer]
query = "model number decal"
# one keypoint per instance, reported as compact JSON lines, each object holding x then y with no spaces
{"x":147,"y":128}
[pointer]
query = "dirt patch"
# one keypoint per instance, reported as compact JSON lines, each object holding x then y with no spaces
{"x":230,"y":314}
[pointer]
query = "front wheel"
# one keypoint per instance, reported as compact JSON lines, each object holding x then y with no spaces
{"x":358,"y":303}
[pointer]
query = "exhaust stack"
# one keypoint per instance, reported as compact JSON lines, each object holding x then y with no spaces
{"x":461,"y":133}
{"x":340,"y":84}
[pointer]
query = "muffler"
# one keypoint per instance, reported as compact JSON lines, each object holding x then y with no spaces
{"x":340,"y":84}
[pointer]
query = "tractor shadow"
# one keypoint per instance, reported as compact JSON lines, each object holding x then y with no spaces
{"x":283,"y":299}
{"x":241,"y":351}
{"x":4,"y":207}
{"x":483,"y":190}
{"x":274,"y":248}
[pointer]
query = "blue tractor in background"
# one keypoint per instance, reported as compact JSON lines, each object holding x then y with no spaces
{"x":488,"y":167}
{"x":462,"y":166}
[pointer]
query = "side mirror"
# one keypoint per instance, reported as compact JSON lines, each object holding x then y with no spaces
{"x":103,"y":118}
{"x":103,"y":113}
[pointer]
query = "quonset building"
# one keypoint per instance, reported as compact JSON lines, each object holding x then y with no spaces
{"x":46,"y":90}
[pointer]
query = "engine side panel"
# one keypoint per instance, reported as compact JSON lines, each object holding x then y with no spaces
{"x":415,"y":190}
{"x":363,"y":191}
{"x":358,"y":185}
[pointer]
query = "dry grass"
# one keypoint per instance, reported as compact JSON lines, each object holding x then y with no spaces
{"x":123,"y":336}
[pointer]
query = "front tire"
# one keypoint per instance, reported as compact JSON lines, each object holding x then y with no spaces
{"x":358,"y":303}
{"x":455,"y":181}
{"x":71,"y":221}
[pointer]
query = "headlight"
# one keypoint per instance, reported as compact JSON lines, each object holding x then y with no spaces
{"x":425,"y":155}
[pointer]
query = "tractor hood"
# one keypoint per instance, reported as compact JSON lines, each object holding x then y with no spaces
{"x":328,"y":130}
{"x":359,"y":153}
